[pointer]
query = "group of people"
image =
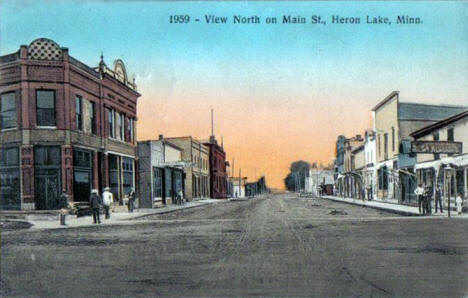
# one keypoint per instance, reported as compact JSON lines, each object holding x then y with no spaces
{"x":425,"y":196}
{"x":95,"y":202}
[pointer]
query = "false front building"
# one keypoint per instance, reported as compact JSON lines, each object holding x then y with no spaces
{"x":196,"y":157}
{"x":63,"y":126}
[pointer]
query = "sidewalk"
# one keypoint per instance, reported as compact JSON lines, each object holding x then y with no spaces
{"x":390,"y":207}
{"x":52,"y":221}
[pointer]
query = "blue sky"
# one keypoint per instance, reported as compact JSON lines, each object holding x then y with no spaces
{"x":321,"y":81}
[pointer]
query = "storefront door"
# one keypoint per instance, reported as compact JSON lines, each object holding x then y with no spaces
{"x":82,"y":175}
{"x":47,"y":191}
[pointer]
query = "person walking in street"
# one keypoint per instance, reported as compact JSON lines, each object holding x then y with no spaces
{"x":458,"y":202}
{"x":419,"y":191}
{"x":131,"y":201}
{"x":438,"y":199}
{"x":107,"y":199}
{"x":95,"y":203}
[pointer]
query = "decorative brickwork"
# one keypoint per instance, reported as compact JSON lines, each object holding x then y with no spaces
{"x":44,"y":49}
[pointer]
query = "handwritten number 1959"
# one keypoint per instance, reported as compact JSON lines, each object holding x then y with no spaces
{"x":179,"y":19}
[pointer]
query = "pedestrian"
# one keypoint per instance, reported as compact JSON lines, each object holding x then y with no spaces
{"x":131,"y":201}
{"x":419,"y":191}
{"x":95,"y":203}
{"x":428,"y":199}
{"x":180,"y":197}
{"x":458,"y":202}
{"x":438,"y":199}
{"x":63,"y":207}
{"x":107,"y":199}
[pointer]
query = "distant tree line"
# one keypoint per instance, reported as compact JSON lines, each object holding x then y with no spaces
{"x":298,"y":171}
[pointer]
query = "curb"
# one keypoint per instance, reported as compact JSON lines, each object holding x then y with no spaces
{"x":170,"y":211}
{"x":385,"y":209}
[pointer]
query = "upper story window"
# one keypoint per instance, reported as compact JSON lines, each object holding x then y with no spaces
{"x":45,"y":108}
{"x":122,"y":126}
{"x":385,"y":145}
{"x":119,"y":125}
{"x":92,"y":116}
{"x":110,"y":117}
{"x":79,"y":112}
{"x":131,"y":130}
{"x":7,"y":110}
{"x":393,"y":139}
{"x":378,"y":141}
{"x":450,"y":136}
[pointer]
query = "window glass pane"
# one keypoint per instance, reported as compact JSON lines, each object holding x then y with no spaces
{"x":81,"y":159}
{"x":93,"y":117}
{"x":47,"y":155}
{"x":45,"y":108}
{"x":79,"y":119}
{"x":8,"y":110}
{"x":12,"y":156}
{"x":112,"y":161}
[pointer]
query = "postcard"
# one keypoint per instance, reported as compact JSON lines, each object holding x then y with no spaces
{"x":233,"y":148}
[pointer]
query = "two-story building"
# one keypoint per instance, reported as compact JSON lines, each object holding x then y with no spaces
{"x":350,"y":176}
{"x":197,"y":171}
{"x":441,"y":151}
{"x":370,"y":159}
{"x":64,"y":126}
{"x":161,"y":172}
{"x":393,"y":123}
{"x":218,"y":174}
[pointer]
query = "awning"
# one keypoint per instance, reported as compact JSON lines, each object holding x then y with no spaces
{"x":458,"y":161}
{"x":428,"y":164}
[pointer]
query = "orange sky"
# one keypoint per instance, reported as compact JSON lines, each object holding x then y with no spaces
{"x":263,"y":137}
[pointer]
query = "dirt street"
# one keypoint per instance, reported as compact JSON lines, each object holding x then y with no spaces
{"x":280,"y":245}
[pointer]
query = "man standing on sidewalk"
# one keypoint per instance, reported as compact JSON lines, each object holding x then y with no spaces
{"x":438,"y":199}
{"x":95,"y":203}
{"x":107,"y":199}
{"x":419,"y":191}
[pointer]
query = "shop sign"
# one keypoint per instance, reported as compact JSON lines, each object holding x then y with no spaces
{"x":440,"y":147}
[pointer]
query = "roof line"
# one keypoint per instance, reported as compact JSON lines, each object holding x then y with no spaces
{"x":386,"y":99}
{"x":428,"y":129}
{"x":433,"y":105}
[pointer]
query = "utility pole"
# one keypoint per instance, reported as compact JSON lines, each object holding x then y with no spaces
{"x":240,"y":182}
{"x":212,"y":123}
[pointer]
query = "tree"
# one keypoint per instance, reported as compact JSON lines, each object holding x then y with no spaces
{"x":295,"y":180}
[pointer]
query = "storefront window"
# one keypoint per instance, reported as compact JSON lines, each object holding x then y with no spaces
{"x":45,"y":108}
{"x":7,"y":111}
{"x":82,"y":174}
{"x":114,"y":175}
{"x":127,"y":167}
{"x":460,"y":181}
{"x":9,"y":179}
{"x":157,"y":182}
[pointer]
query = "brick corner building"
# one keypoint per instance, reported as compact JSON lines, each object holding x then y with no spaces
{"x":63,"y":125}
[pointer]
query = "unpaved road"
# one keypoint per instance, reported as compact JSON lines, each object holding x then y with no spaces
{"x":276,"y":246}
